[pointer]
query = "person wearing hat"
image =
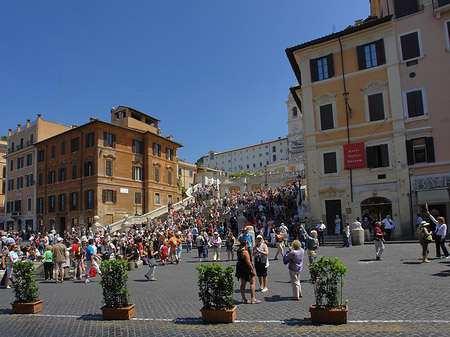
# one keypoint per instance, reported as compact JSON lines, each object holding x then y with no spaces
{"x":261,"y":254}
{"x":424,"y":235}
{"x":216,"y":242}
{"x":59,"y":258}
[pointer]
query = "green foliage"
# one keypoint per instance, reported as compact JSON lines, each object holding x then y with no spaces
{"x":243,"y":174}
{"x":327,"y":278}
{"x":4,"y":137}
{"x":216,"y":286}
{"x":114,"y":283}
{"x":25,"y":288}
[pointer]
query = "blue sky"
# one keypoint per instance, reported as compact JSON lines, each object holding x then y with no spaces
{"x":214,"y":72}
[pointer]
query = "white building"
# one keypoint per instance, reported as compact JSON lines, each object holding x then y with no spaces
{"x":250,"y":158}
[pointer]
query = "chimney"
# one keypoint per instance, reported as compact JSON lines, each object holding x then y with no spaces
{"x":92,"y":119}
{"x":169,"y":137}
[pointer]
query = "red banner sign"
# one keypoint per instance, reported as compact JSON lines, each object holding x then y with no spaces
{"x":354,"y":156}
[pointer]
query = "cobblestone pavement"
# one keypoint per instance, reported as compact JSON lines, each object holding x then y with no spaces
{"x":397,"y":296}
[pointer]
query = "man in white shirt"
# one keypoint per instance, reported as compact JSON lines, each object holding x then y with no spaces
{"x":321,"y":231}
{"x":388,"y":224}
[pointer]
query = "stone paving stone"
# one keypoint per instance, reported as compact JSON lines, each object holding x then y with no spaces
{"x":398,"y":288}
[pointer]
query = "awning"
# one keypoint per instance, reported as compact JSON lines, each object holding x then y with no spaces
{"x":434,"y":195}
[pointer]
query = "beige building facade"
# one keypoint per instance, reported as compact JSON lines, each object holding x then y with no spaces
{"x":186,"y":174}
{"x":354,"y":139}
{"x":3,"y":150}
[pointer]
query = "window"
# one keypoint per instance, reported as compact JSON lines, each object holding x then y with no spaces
{"x":157,"y":174}
{"x":29,"y":159}
{"x":11,"y":165}
{"x":169,"y":178}
{"x":51,"y":203}
{"x":89,"y":199}
{"x":62,"y":202}
{"x":88,"y":168}
{"x":109,"y":139}
{"x":294,"y":112}
{"x":329,"y":162}
{"x":169,"y":199}
{"x":371,"y":55}
{"x":191,"y":173}
{"x":137,"y":198}
{"x":157,"y":149}
{"x":51,"y":177}
{"x":63,"y":147}
{"x":40,"y":205}
{"x":18,"y":206}
{"x":157,"y":201}
{"x":376,"y":107}
{"x":53,"y":151}
{"x":74,"y":201}
{"x":414,"y":102}
{"x":405,"y":7}
{"x":62,"y":174}
{"x":137,"y":173}
{"x":74,"y":171}
{"x":138,"y":146}
{"x":19,"y":182}
{"x":109,"y":168}
{"x":29,"y":204}
{"x":29,"y":180}
{"x":377,"y":156}
{"x":19,"y":162}
{"x":447,"y":33}
{"x":169,"y":153}
{"x":74,"y":144}
{"x":274,"y":157}
{"x":420,"y":150}
{"x":31,"y":139}
{"x":274,"y":149}
{"x":322,"y":68}
{"x":40,"y":180}
{"x":109,"y":196}
{"x":326,"y":117}
{"x":21,"y":144}
{"x":90,"y":139}
{"x":136,"y":116}
{"x":10,"y":184}
{"x":179,"y":172}
{"x":41,"y":156}
{"x":410,"y":46}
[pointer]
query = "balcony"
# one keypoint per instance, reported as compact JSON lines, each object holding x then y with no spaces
{"x":440,"y":6}
{"x":16,"y":214}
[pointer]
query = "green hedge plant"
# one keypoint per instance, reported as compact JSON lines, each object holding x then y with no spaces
{"x":114,"y":283}
{"x":216,"y":286}
{"x":25,"y":288}
{"x":327,"y":277}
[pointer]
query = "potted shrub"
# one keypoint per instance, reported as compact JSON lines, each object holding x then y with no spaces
{"x":216,"y":288}
{"x":25,"y":289}
{"x":327,"y":278}
{"x":115,"y":292}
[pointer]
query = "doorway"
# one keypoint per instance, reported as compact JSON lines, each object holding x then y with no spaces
{"x":62,"y":225}
{"x":376,"y":208}
{"x":332,"y":208}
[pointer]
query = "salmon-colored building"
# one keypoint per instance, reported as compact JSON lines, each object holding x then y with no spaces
{"x":422,"y":33}
{"x":3,"y":149}
{"x":124,"y":167}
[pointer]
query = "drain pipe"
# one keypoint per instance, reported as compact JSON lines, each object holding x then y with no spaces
{"x":347,"y":112}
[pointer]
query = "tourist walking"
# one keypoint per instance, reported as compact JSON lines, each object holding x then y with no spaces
{"x":261,"y":255}
{"x":378,"y":239}
{"x":279,"y":237}
{"x":13,"y":257}
{"x":312,"y":244}
{"x":151,"y":259}
{"x":229,"y":244}
{"x":441,"y":232}
{"x":425,"y":238}
{"x":294,"y":259}
{"x":346,"y":234}
{"x":216,"y":243}
{"x":59,"y":258}
{"x":91,"y":260}
{"x":245,"y":272}
{"x":47,"y":258}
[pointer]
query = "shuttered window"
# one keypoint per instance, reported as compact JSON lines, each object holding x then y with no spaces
{"x":410,"y":46}
{"x":405,"y":7}
{"x":371,"y":55}
{"x":420,"y":150}
{"x":329,"y":162}
{"x":109,"y":139}
{"x":377,"y":156}
{"x":414,"y":101}
{"x":322,"y":68}
{"x":326,"y":117}
{"x":376,"y":107}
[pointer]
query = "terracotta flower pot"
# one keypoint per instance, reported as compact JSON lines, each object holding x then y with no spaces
{"x":218,"y":315}
{"x":328,"y":316}
{"x":27,"y":308}
{"x":118,"y":313}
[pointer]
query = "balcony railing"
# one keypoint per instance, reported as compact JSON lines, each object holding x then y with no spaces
{"x":440,"y":6}
{"x":440,"y":3}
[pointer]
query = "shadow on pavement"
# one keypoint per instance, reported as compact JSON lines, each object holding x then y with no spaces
{"x":296,"y":321}
{"x":91,"y":317}
{"x":444,"y":273}
{"x":412,"y":262}
{"x":276,"y":298}
{"x":5,"y":311}
{"x":189,"y":320}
